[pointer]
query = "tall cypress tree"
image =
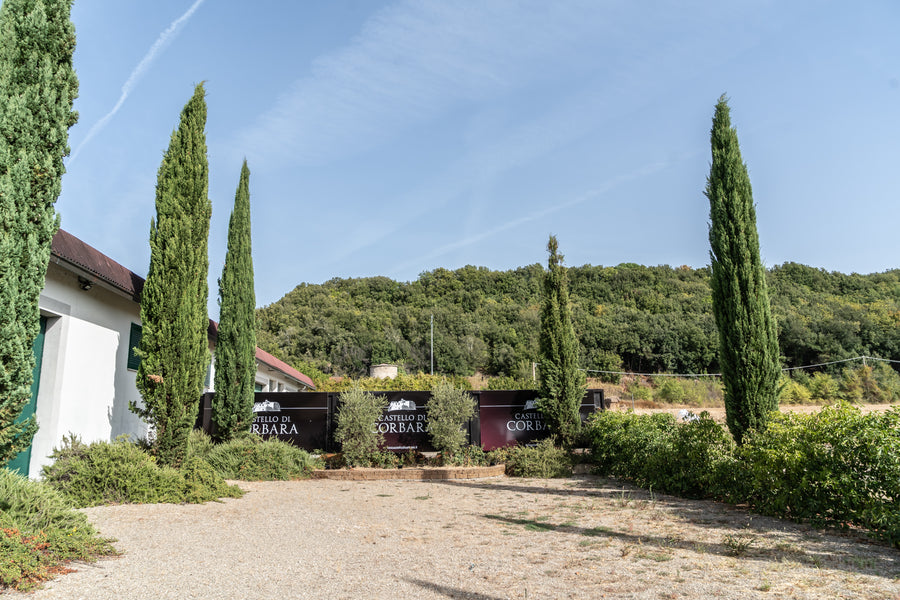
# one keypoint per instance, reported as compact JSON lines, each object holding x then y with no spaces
{"x":37,"y":89}
{"x":236,"y":344}
{"x":174,"y":346}
{"x":562,"y":384}
{"x":748,"y":343}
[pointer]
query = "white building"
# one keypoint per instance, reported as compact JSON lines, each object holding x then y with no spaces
{"x":86,"y":368}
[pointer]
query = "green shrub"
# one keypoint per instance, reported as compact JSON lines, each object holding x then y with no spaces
{"x":448,"y":412}
{"x":507,"y":382}
{"x":121,"y":472}
{"x":671,"y":390}
{"x":823,"y":386}
{"x":39,"y":530}
{"x":250,"y":458}
{"x":542,"y":460}
{"x":794,"y":392}
{"x":837,"y":466}
{"x":689,"y":459}
{"x":356,"y":430}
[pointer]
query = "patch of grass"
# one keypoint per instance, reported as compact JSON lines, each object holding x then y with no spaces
{"x":597,"y":531}
{"x":654,"y":556}
{"x":738,"y":544}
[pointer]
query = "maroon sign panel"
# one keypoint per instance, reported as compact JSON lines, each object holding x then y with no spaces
{"x":508,"y":418}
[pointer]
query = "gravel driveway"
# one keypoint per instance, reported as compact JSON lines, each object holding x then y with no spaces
{"x":583,"y":537}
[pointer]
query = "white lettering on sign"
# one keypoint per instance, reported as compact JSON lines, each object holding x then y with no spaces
{"x":274,"y":428}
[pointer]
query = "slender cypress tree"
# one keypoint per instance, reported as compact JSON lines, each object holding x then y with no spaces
{"x":236,"y":344}
{"x":748,"y":343}
{"x":562,"y":384}
{"x":174,"y":346}
{"x":37,"y":89}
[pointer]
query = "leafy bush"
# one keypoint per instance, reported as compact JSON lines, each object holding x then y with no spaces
{"x":121,"y":472}
{"x":837,"y":466}
{"x":507,"y":382}
{"x":449,"y":410}
{"x":250,"y":458}
{"x":823,"y":386}
{"x":38,"y":531}
{"x":543,"y":460}
{"x":401,"y":383}
{"x":794,"y":392}
{"x":356,"y":425}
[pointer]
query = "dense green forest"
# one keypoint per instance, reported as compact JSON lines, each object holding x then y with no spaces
{"x":629,"y":317}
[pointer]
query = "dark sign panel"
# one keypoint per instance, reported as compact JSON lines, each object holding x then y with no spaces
{"x":404,"y":421}
{"x":508,"y":418}
{"x":300,"y":418}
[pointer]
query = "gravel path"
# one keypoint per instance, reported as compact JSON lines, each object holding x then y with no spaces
{"x":583,"y":537}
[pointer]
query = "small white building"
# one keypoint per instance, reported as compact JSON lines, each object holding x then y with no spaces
{"x":86,"y":366}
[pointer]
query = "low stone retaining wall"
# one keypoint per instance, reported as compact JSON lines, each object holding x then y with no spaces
{"x":411,"y":473}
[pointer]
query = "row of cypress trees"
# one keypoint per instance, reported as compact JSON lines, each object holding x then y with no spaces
{"x":174,"y":345}
{"x":37,"y":89}
{"x":748,"y":342}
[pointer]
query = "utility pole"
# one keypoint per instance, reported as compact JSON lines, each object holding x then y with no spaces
{"x":432,"y":344}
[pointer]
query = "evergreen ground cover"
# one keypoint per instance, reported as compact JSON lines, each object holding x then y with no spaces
{"x":40,"y":532}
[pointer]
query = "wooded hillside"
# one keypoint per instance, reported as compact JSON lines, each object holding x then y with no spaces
{"x":629,"y":317}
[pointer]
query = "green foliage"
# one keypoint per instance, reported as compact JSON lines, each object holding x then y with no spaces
{"x":562,"y":385}
{"x":356,"y":430}
{"x":39,"y":530}
{"x":449,"y":409}
{"x":236,"y":342}
{"x":822,"y":387}
{"x":794,"y":392}
{"x":870,"y":385}
{"x":37,"y":89}
{"x":121,"y":472}
{"x":627,"y":318}
{"x":250,"y":458}
{"x":748,"y":343}
{"x":655,"y":451}
{"x":174,"y":344}
{"x":543,"y":460}
{"x":401,"y":383}
{"x":837,"y":466}
{"x":506,"y":382}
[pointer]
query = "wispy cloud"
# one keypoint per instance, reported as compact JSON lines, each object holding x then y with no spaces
{"x":410,"y":63}
{"x":164,"y":39}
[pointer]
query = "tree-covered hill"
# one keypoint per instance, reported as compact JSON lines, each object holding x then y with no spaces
{"x":629,"y":317}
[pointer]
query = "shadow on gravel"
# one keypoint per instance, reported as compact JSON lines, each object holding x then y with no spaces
{"x":450,"y":592}
{"x":833,"y":553}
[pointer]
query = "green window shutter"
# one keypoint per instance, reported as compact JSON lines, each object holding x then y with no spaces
{"x":134,"y":340}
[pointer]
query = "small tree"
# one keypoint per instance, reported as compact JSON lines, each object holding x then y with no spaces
{"x":562,"y":385}
{"x":748,"y":344}
{"x":37,"y":89}
{"x":236,"y":344}
{"x":174,"y":346}
{"x":448,"y":411}
{"x":357,"y":421}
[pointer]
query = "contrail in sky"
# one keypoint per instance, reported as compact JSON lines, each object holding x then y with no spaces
{"x":158,"y":46}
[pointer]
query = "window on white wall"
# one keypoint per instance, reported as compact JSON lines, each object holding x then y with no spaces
{"x":134,"y":340}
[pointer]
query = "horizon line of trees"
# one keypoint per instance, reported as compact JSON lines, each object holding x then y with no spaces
{"x":627,"y":318}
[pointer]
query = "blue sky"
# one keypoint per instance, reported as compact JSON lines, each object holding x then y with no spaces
{"x":393,"y":138}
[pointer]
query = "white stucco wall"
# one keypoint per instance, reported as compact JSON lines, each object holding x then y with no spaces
{"x":85,"y":386}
